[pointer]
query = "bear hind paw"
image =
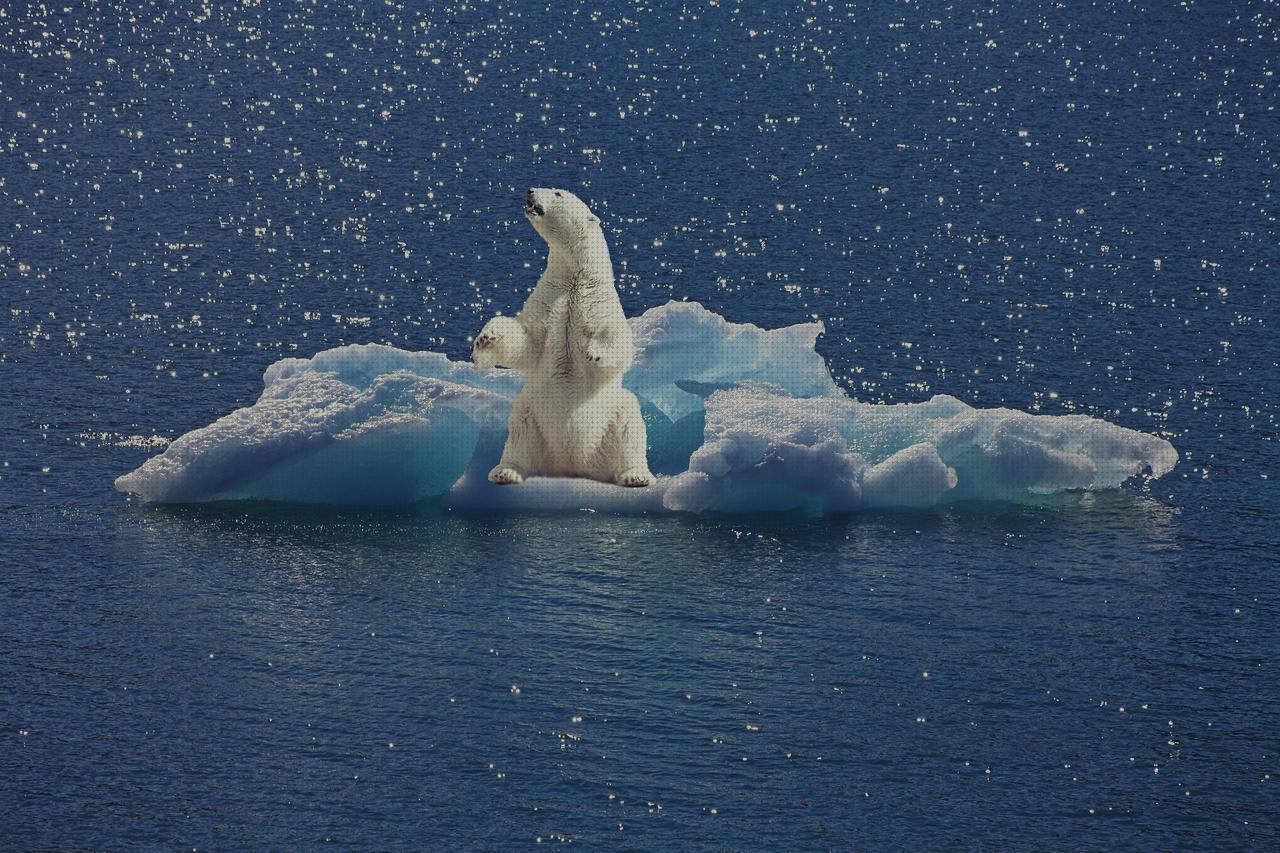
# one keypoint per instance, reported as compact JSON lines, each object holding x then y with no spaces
{"x":505,"y":475}
{"x":634,"y":478}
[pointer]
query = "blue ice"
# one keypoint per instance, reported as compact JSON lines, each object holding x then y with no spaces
{"x":740,"y":419}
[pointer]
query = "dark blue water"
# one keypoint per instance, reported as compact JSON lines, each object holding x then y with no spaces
{"x":1056,"y":209}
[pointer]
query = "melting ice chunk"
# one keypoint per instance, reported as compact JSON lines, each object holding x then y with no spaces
{"x":683,"y":348}
{"x":765,"y":450}
{"x":313,"y":438}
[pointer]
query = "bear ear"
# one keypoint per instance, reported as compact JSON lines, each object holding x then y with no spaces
{"x":592,"y":218}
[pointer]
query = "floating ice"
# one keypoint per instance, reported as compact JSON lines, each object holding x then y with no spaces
{"x":740,"y":419}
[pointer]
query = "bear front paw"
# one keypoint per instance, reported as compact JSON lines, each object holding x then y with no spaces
{"x":634,"y":478}
{"x":505,"y":475}
{"x":595,"y":352}
{"x":484,"y":349}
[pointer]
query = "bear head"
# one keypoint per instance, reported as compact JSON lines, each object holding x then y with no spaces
{"x":562,"y":218}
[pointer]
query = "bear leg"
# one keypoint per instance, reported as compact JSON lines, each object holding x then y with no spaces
{"x":626,"y":446}
{"x":523,"y":447}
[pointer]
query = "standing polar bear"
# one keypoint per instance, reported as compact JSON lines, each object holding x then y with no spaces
{"x":571,"y":341}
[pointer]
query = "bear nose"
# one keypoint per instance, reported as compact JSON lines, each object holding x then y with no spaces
{"x":528,"y":196}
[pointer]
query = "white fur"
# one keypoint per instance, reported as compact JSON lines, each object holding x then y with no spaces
{"x":572,"y":342}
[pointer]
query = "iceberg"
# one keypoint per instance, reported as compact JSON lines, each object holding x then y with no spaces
{"x":739,"y":418}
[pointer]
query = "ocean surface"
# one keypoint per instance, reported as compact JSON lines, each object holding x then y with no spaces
{"x":1057,"y":208}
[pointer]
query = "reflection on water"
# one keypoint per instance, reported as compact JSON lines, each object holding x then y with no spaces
{"x":567,"y":673}
{"x":427,"y":528}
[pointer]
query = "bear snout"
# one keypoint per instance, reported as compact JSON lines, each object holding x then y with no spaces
{"x":531,"y":206}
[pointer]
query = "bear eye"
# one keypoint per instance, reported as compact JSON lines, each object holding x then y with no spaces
{"x":558,"y":195}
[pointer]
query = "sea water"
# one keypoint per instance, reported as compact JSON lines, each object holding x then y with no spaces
{"x":1045,"y":209}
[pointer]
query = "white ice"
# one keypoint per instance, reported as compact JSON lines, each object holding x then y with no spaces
{"x":740,"y":419}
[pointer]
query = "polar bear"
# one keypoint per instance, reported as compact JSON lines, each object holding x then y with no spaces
{"x":572,"y":342}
